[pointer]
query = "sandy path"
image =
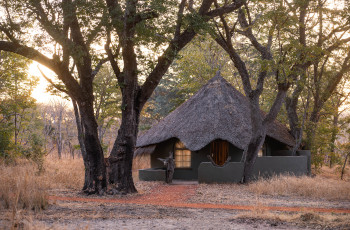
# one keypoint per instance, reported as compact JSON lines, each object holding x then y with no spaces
{"x":177,"y":196}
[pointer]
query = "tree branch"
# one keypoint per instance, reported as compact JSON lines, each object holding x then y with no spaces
{"x":165,"y":60}
{"x":333,"y":82}
{"x":51,"y":29}
{"x":276,"y":106}
{"x":111,"y":59}
{"x":57,"y":67}
{"x":179,"y":18}
{"x":265,"y":53}
{"x":29,"y":53}
{"x":58,"y":87}
{"x":147,"y":14}
{"x":91,"y":36}
{"x":98,"y":67}
{"x":225,"y":9}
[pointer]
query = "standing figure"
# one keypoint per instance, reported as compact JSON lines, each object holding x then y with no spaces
{"x":170,"y":167}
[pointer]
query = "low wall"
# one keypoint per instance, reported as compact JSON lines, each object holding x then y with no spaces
{"x":306,"y":153}
{"x":232,"y":172}
{"x":264,"y":167}
{"x":277,"y":165}
{"x":152,"y":174}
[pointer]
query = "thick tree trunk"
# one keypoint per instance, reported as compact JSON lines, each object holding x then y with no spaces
{"x":122,"y":154}
{"x":254,"y":146}
{"x":94,"y":153}
{"x":311,"y":128}
{"x":259,"y":126}
{"x":256,"y":141}
{"x":88,"y":180}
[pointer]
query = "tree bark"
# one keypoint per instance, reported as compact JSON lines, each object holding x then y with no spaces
{"x":343,"y":168}
{"x":88,"y":175}
{"x":259,"y":128}
{"x":94,"y":152}
{"x":256,"y":141}
{"x":311,"y":126}
{"x":122,"y":154}
{"x":333,"y":139}
{"x":59,"y":137}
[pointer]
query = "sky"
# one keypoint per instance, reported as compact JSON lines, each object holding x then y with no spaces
{"x":39,"y":93}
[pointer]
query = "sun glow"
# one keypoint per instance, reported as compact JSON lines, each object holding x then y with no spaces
{"x":40,"y":93}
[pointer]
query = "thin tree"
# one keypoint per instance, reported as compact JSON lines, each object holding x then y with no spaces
{"x":227,"y":30}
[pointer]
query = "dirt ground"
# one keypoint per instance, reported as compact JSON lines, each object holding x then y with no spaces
{"x":181,"y":206}
{"x":72,"y":215}
{"x":240,"y":195}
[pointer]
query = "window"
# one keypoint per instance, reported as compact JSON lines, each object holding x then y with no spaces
{"x":182,"y":155}
{"x":219,"y":151}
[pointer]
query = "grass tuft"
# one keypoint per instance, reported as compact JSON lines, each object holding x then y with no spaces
{"x":64,"y":173}
{"x":21,"y":187}
{"x":316,"y":187}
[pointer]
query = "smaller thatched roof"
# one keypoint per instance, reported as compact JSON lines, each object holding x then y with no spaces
{"x":216,"y":111}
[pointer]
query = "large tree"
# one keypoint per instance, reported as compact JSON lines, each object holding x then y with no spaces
{"x":64,"y":31}
{"x":128,"y":22}
{"x":322,"y":35}
{"x":259,"y":29}
{"x":70,"y":33}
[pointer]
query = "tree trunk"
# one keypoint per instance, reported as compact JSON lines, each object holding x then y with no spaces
{"x":94,"y":150}
{"x":256,"y":141}
{"x":343,"y":168}
{"x":333,"y":138}
{"x":59,"y":138}
{"x":259,"y":127}
{"x":95,"y":170}
{"x":87,"y":178}
{"x":311,"y":128}
{"x":122,"y":154}
{"x":254,"y":146}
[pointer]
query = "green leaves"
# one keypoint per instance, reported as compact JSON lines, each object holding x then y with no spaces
{"x":19,"y":123}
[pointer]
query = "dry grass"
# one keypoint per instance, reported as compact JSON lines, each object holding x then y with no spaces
{"x":64,"y":173}
{"x":21,"y":187}
{"x":316,"y":187}
{"x":334,"y":173}
{"x":306,"y":219}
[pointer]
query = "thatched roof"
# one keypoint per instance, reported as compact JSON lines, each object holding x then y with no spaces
{"x":145,"y":150}
{"x":216,"y":111}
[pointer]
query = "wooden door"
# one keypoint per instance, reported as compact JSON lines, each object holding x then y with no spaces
{"x":219,"y":151}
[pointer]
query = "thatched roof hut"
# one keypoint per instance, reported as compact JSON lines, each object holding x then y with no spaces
{"x":216,"y":111}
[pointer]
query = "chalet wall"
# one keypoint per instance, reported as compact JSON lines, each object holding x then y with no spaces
{"x":264,"y":167}
{"x":153,"y":174}
{"x":197,"y":157}
{"x":280,"y":162}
